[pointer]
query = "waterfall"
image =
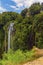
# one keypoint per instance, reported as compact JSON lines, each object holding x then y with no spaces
{"x":9,"y":34}
{"x":9,"y":39}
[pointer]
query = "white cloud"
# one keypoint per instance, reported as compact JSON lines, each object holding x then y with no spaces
{"x":39,"y":1}
{"x":17,"y":1}
{"x":25,"y":3}
{"x":14,"y":7}
{"x":28,"y":3}
{"x":19,"y":5}
{"x":2,"y":9}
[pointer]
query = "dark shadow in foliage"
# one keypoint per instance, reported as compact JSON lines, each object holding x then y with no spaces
{"x":2,"y":34}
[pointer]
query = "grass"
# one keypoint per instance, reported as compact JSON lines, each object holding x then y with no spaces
{"x":18,"y":57}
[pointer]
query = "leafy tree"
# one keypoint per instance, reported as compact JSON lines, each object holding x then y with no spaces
{"x":38,"y":27}
{"x":24,"y":12}
{"x":41,"y":6}
{"x":7,"y":16}
{"x":35,"y":8}
{"x":1,"y":40}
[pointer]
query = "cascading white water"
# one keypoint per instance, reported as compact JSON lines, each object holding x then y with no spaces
{"x":9,"y":34}
{"x":9,"y":39}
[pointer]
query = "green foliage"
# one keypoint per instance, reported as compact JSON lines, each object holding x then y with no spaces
{"x":27,"y":31}
{"x":38,"y":28}
{"x":42,"y":6}
{"x":35,"y":8}
{"x":17,"y":57}
{"x":21,"y":34}
{"x":7,"y":16}
{"x":1,"y":40}
{"x":23,"y":13}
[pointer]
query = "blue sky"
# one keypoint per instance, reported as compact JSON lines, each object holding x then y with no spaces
{"x":16,"y":5}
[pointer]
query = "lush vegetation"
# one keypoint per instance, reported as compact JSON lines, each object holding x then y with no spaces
{"x":28,"y":32}
{"x":18,"y":57}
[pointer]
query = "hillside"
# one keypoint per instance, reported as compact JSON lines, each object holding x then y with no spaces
{"x":19,"y":33}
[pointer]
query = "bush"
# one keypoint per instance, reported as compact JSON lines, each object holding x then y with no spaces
{"x":17,"y":57}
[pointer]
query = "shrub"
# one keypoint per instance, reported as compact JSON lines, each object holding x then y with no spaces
{"x":17,"y":57}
